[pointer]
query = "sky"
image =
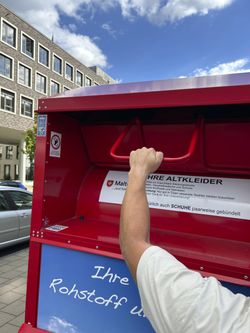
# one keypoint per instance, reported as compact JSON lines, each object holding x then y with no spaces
{"x":141,"y":40}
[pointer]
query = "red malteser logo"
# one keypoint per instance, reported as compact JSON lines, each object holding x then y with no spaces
{"x":110,"y":183}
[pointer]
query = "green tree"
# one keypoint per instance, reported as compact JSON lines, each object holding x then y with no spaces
{"x":30,"y":144}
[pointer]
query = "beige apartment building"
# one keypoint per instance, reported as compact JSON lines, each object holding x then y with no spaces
{"x":31,"y":66}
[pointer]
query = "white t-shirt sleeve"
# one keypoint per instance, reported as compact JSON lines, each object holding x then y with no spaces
{"x":176,"y":299}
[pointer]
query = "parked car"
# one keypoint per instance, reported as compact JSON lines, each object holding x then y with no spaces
{"x":12,"y":183}
{"x":15,"y":215}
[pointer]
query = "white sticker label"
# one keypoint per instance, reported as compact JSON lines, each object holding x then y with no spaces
{"x":228,"y":197}
{"x":41,"y":125}
{"x":55,"y":144}
{"x":57,"y":227}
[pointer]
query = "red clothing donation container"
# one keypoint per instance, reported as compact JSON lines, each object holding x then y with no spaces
{"x":199,"y":198}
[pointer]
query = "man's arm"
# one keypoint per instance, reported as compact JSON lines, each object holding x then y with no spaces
{"x":174,"y":298}
{"x":135,"y":218}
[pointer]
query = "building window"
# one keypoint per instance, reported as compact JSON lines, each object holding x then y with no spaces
{"x":87,"y":81}
{"x":65,"y":89}
{"x":7,"y":101}
{"x":54,"y":88}
{"x":69,"y":72}
{"x":9,"y":152}
{"x":16,"y":171}
{"x":6,"y":66}
{"x":17,"y":152}
{"x":57,"y":64}
{"x":24,"y":75}
{"x":41,"y":84}
{"x":28,"y":46}
{"x":1,"y":152}
{"x":9,"y":34}
{"x":43,"y":56}
{"x":6,"y":172}
{"x":79,"y":78}
{"x":26,"y":107}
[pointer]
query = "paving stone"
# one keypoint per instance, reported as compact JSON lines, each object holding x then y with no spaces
{"x":5,"y":268}
{"x":9,"y":259}
{"x":22,"y":268}
{"x":13,"y":258}
{"x":3,"y":280}
{"x":11,"y":274}
{"x":9,"y":329}
{"x":5,"y":288}
{"x":2,"y":305}
{"x":18,"y":321}
{"x":22,"y":253}
{"x":5,"y":318}
{"x":10,"y":297}
{"x":21,"y":289}
{"x":18,"y":263}
{"x":20,"y":281}
{"x":15,"y":308}
{"x":24,"y":274}
{"x":23,"y":298}
{"x":13,"y":280}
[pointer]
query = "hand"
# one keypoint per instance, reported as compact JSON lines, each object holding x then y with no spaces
{"x":145,"y":161}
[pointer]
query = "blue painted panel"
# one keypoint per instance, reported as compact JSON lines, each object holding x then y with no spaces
{"x":87,"y":293}
{"x":82,"y":292}
{"x":236,"y":289}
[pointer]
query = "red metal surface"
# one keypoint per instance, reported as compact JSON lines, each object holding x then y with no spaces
{"x":63,"y":175}
{"x":210,"y":156}
{"x":220,"y":245}
{"x":67,"y":189}
{"x":27,"y":328}
{"x":121,"y":137}
{"x":185,"y":157}
{"x":63,"y":241}
{"x":33,"y":283}
{"x":37,"y":218}
{"x":39,"y":176}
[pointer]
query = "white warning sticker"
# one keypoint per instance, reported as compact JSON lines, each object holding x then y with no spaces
{"x":228,"y":197}
{"x":55,"y":144}
{"x":57,"y":227}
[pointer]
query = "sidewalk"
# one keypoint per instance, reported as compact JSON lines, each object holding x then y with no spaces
{"x":13,"y":273}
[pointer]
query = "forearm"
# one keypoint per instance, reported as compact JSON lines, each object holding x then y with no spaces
{"x":135,"y":220}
